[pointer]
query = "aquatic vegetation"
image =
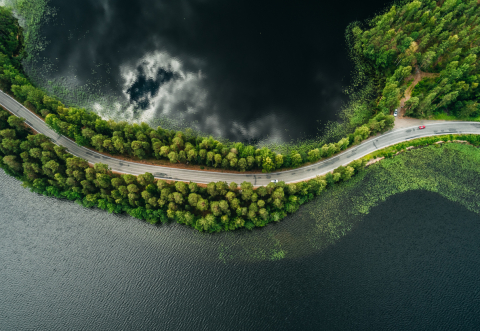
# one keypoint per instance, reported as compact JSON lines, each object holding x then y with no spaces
{"x":449,"y":169}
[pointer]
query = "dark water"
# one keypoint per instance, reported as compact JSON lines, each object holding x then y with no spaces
{"x":238,"y":69}
{"x":413,"y":264}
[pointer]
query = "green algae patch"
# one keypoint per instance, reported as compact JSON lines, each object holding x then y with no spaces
{"x":451,"y":170}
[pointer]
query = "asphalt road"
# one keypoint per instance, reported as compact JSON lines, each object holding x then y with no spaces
{"x":320,"y":168}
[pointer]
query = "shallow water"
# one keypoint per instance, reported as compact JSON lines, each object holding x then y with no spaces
{"x":238,"y":69}
{"x":412,"y":264}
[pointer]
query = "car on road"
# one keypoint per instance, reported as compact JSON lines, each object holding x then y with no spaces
{"x":395,"y":113}
{"x":421,"y":127}
{"x":274,"y":181}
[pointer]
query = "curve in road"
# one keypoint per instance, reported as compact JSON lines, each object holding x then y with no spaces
{"x":289,"y":176}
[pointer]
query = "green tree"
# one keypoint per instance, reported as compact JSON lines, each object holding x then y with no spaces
{"x":268,"y":165}
{"x":145,"y":179}
{"x":297,"y":160}
{"x":173,"y":156}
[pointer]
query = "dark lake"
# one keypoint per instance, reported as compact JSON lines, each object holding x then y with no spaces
{"x":412,"y":264}
{"x":272,"y":70}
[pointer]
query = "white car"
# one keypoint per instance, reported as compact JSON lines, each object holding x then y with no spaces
{"x":395,"y":113}
{"x":274,"y":181}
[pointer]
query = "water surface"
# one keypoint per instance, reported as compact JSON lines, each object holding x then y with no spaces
{"x":413,"y":263}
{"x":238,"y":69}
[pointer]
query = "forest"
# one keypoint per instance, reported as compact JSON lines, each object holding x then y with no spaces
{"x":49,"y":169}
{"x":437,"y":37}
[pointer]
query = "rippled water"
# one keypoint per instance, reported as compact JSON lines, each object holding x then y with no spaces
{"x":412,"y":264}
{"x":238,"y":69}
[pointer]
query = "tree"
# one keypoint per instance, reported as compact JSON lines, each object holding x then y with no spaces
{"x":363,"y":132}
{"x":225,"y":163}
{"x":268,"y":165}
{"x":193,"y":199}
{"x":221,"y":188}
{"x":211,"y":189}
{"x":206,"y":223}
{"x":178,"y":198}
{"x":132,"y":188}
{"x":178,"y":142}
{"x":165,"y":151}
{"x":278,"y":161}
{"x":343,"y":144}
{"x":233,"y":186}
{"x":97,"y":141}
{"x":390,"y":97}
{"x":8,"y":133}
{"x":235,"y":204}
{"x":202,"y":204}
{"x":11,"y":161}
{"x":117,"y":182}
{"x":181,"y":187}
{"x":242,"y":164}
{"x":145,"y":179}
{"x":250,"y":161}
{"x":193,"y":187}
{"x":297,"y":160}
{"x":210,"y":158}
{"x":16,"y":122}
{"x":173,"y":156}
{"x":469,"y":109}
{"x":224,"y":207}
{"x":218,"y":160}
{"x":50,"y":168}
{"x":215,"y":208}
{"x":103,"y":180}
{"x":332,"y":149}
{"x":192,"y":156}
{"x":447,"y":99}
{"x":182,"y":158}
{"x":140,"y":148}
{"x":129,"y":179}
{"x":411,"y":104}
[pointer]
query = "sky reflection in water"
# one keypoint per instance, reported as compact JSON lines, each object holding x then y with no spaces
{"x":238,"y":69}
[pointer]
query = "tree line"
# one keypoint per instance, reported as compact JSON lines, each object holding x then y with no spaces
{"x":144,"y":142}
{"x":49,"y":169}
{"x":440,"y":37}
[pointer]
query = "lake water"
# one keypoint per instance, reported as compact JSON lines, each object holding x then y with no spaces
{"x":412,"y":264}
{"x":270,"y":70}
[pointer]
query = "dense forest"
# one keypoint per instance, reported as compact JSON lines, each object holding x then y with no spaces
{"x":49,"y":169}
{"x":437,"y":37}
{"x":143,"y":142}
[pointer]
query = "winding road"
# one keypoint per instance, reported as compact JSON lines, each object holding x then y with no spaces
{"x":289,"y":176}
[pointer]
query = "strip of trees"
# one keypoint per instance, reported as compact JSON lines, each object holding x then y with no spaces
{"x":144,"y":142}
{"x":49,"y":169}
{"x":441,"y":37}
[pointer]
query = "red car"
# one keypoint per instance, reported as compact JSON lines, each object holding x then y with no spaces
{"x":421,"y":127}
